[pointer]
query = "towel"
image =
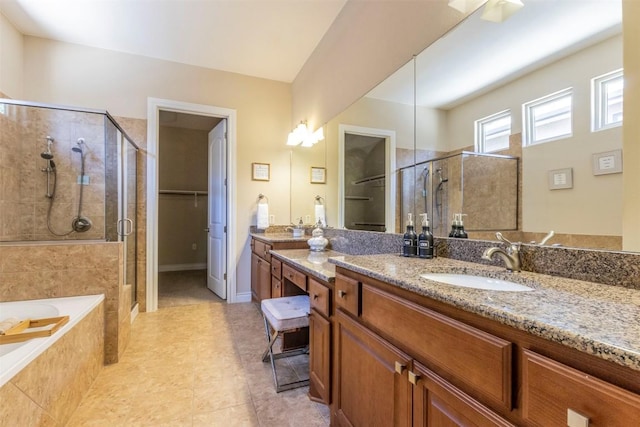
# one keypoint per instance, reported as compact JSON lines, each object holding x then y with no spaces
{"x":320,"y":215}
{"x":7,"y":324}
{"x":263,"y":215}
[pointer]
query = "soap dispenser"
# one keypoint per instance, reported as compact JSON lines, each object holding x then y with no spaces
{"x":409,"y":245}
{"x":461,"y":233}
{"x":425,"y":239}
{"x":454,"y":227}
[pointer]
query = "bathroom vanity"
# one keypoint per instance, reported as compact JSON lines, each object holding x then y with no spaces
{"x":389,"y":347}
{"x":409,"y":351}
{"x":262,"y":285}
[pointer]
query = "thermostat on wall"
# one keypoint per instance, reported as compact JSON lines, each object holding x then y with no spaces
{"x":560,"y":179}
{"x":607,"y":162}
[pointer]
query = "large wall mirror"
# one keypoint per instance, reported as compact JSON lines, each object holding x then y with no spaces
{"x":308,"y":182}
{"x":482,"y":68}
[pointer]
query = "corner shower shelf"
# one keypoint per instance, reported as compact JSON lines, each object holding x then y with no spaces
{"x":374,"y":179}
{"x":185,"y":192}
{"x":358,"y":198}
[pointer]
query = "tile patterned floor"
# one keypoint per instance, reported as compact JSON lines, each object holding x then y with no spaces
{"x":184,"y":288}
{"x":197,"y":365}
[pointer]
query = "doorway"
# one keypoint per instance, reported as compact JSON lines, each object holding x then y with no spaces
{"x":184,"y":208}
{"x":200,"y":200}
{"x":366,"y":178}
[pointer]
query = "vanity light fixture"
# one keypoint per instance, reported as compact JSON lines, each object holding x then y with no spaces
{"x":303,"y":135}
{"x":500,"y":10}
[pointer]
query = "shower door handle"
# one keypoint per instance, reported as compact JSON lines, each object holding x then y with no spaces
{"x":130,"y":229}
{"x":121,"y":229}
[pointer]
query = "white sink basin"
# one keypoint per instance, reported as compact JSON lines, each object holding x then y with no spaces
{"x":476,"y":282}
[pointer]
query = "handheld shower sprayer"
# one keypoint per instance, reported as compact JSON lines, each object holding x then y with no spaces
{"x":47,"y":154}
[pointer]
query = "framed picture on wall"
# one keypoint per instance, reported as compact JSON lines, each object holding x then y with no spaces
{"x":318,"y":175}
{"x":260,"y":171}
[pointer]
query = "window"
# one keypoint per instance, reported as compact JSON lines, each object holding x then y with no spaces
{"x":548,"y":118}
{"x":606,"y":104}
{"x":492,"y":132}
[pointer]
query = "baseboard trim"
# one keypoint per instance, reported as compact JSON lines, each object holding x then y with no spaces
{"x":182,"y":267}
{"x":242,"y":297}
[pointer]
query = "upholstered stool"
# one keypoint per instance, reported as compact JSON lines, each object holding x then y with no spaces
{"x":281,"y":315}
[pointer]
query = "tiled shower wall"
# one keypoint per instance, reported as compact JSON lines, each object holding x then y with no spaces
{"x":24,"y":206}
{"x":50,"y":270}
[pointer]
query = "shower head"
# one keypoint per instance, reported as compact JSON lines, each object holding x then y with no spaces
{"x":47,"y":154}
{"x":80,"y":146}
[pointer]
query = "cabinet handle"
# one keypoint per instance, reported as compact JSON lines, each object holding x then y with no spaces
{"x":575,"y":419}
{"x":315,"y":297}
{"x":400,"y":367}
{"x":413,"y":378}
{"x":342,"y":293}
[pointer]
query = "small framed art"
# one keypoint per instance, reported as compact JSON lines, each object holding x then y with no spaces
{"x":318,"y":175}
{"x":260,"y":171}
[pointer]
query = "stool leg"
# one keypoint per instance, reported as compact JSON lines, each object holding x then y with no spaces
{"x":268,"y":354}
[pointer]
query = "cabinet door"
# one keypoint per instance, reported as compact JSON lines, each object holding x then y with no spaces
{"x":264,"y":279}
{"x":276,"y":287}
{"x":556,"y":394}
{"x":436,"y":403}
{"x":255,"y":296}
{"x":319,"y":357}
{"x":371,"y":387}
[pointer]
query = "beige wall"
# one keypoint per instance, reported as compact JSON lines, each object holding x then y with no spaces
{"x":11,"y":60}
{"x":631,"y":213}
{"x":367,"y":42}
{"x":594,"y":204}
{"x":69,"y":74}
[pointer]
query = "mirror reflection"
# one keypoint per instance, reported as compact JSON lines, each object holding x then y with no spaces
{"x":308,"y":182}
{"x":480,"y":105}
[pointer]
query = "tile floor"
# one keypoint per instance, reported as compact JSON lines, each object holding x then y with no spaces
{"x":197,"y":365}
{"x":184,"y":288}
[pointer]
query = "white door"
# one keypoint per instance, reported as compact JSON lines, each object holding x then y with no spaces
{"x":217,"y":240}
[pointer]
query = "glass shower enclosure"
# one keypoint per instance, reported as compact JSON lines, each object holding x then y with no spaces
{"x":67,"y":174}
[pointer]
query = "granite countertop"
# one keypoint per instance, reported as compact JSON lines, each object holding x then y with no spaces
{"x":315,"y":264}
{"x":279,"y":237}
{"x":597,"y":319}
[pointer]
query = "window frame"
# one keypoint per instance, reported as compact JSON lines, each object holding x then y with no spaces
{"x":598,"y":107}
{"x":528,"y":124}
{"x":479,"y":126}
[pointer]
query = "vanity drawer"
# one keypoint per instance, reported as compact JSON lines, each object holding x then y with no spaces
{"x":262,"y":250}
{"x":471,"y":359}
{"x":294,"y":276}
{"x":347,"y":294}
{"x":552,"y":391}
{"x":319,"y":297}
{"x":276,"y":268}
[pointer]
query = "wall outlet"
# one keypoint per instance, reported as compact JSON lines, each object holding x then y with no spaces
{"x":272,"y":219}
{"x":194,"y":246}
{"x":307,"y":219}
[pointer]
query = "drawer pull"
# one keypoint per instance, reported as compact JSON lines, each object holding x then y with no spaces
{"x":400,"y":367}
{"x":575,"y":419}
{"x":342,"y":293}
{"x":315,"y":297}
{"x":413,"y":378}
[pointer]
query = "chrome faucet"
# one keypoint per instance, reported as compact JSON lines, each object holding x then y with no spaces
{"x":510,"y":256}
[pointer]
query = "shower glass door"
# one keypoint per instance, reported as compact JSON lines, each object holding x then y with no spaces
{"x":127,"y":221}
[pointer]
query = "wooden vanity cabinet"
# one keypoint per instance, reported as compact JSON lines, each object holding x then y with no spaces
{"x":262,"y":286}
{"x":379,"y":383}
{"x":319,"y":341}
{"x":403,"y":359}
